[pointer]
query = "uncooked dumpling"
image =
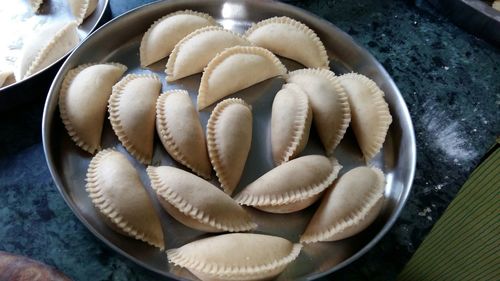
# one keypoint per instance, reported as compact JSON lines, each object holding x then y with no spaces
{"x":235,"y":69}
{"x":370,"y":113}
{"x":197,"y":203}
{"x":496,"y":5}
{"x":291,"y":39}
{"x":118,"y":194}
{"x":329,"y":103}
{"x":229,"y":137}
{"x":291,"y":118}
{"x":180,"y":131}
{"x":35,"y":5}
{"x":81,"y":9}
{"x":291,"y":186}
{"x":166,"y":32}
{"x":4,"y":77}
{"x":196,"y":50}
{"x":348,"y":207}
{"x":47,"y":46}
{"x":236,"y":256}
{"x":82,"y":101}
{"x":132,"y":113}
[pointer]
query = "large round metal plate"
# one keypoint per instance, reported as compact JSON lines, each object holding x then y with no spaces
{"x":119,"y":41}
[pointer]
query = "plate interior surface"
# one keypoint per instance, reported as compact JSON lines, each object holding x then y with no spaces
{"x":68,"y":163}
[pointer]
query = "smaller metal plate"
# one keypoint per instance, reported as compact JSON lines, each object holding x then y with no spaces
{"x":20,"y":23}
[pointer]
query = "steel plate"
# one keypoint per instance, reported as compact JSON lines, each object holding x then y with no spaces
{"x":68,"y":164}
{"x":19,"y":23}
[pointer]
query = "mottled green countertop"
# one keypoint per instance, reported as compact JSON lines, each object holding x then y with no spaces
{"x":450,"y":81}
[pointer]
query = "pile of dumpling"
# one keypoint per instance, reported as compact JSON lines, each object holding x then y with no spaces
{"x":50,"y":43}
{"x":230,"y":62}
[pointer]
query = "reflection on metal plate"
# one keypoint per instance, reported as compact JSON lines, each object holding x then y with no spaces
{"x":68,"y":164}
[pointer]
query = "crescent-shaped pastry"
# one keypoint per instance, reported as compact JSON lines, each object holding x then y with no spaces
{"x":82,"y":101}
{"x":329,"y":103}
{"x":180,"y":131}
{"x":81,"y":9}
{"x":229,"y":137}
{"x":296,"y":41}
{"x":166,"y":32}
{"x":118,"y":194}
{"x":496,"y":5}
{"x":348,"y":207}
{"x":47,"y":46}
{"x":291,"y":118}
{"x":291,"y":186}
{"x":4,"y":77}
{"x":132,"y":113}
{"x":370,"y":113}
{"x":235,"y":69}
{"x":35,"y":5}
{"x":196,"y":50}
{"x":236,"y":256}
{"x":197,"y":203}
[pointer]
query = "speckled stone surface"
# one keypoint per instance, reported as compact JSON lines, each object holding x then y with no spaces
{"x":450,"y":81}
